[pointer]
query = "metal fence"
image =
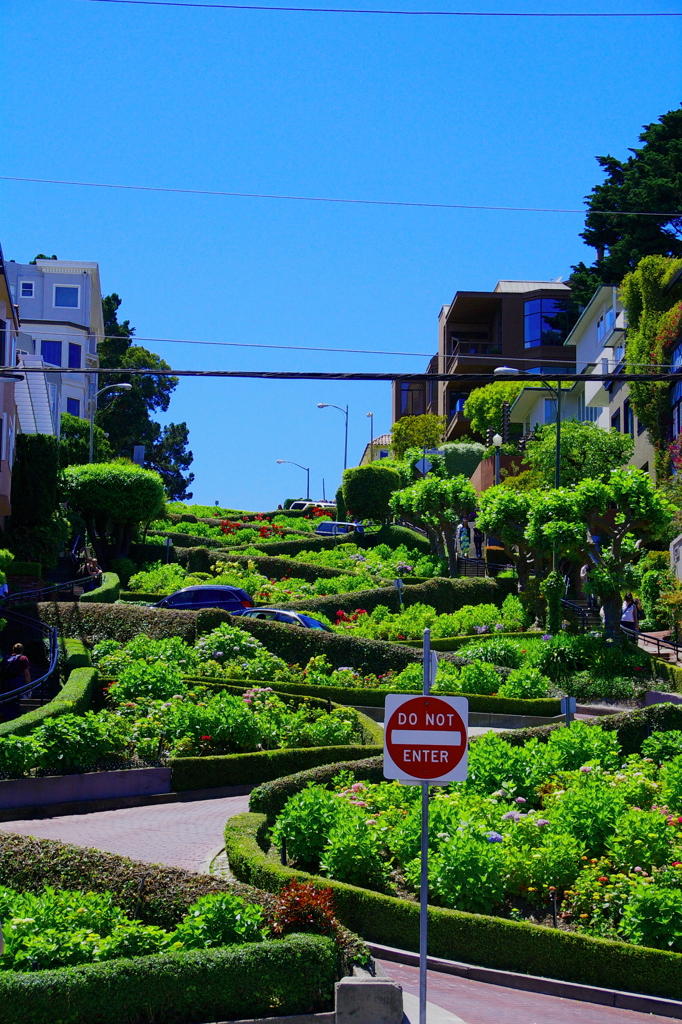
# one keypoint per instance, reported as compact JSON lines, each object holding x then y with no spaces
{"x":47,"y":634}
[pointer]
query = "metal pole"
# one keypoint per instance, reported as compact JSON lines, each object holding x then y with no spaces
{"x":307,"y":490}
{"x":557,"y":454}
{"x":424,"y":876}
{"x":345,"y":443}
{"x":497,"y":465}
{"x":91,"y":457}
{"x":371,"y":437}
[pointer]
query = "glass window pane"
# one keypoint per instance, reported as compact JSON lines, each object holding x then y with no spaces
{"x":74,"y":356}
{"x":73,"y":406}
{"x":533,"y":326}
{"x":533,"y":306}
{"x":51,"y":352}
{"x":66,"y":295}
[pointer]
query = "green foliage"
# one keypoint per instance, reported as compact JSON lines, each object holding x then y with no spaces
{"x":124,"y":569}
{"x":552,"y":589}
{"x":108,"y":591}
{"x":587,"y":452}
{"x":653,"y":917}
{"x":461,"y":459}
{"x":37,"y":529}
{"x":496,"y":650}
{"x":367,"y":490}
{"x":416,"y":432}
{"x":438,"y":505}
{"x":219,"y":919}
{"x":484,"y":405}
{"x":74,"y":442}
{"x":74,"y":698}
{"x":525,"y":683}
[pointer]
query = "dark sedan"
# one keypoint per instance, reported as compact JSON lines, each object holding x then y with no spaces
{"x":230,"y":599}
{"x":289,"y":618}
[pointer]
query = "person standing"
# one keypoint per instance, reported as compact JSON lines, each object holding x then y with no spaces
{"x":478,"y":541}
{"x":464,"y":538}
{"x":15,"y":669}
{"x":628,"y":616}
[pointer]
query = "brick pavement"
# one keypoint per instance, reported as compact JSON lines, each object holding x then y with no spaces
{"x":479,"y":1003}
{"x":182,"y":835}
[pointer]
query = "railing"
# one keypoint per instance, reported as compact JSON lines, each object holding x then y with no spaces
{"x":472,"y":566}
{"x":650,"y":638}
{"x":46,"y":632}
{"x":47,"y":593}
{"x":577,"y":609}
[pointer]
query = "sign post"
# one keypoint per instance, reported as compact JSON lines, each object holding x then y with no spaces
{"x":425,"y":743}
{"x":568,"y":706}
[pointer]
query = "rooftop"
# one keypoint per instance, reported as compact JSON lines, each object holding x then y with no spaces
{"x":529,"y":286}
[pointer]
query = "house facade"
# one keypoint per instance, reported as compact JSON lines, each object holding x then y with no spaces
{"x":9,"y":332}
{"x":60,"y":309}
{"x":379,"y":449}
{"x":523,"y":324}
{"x":598,"y":338}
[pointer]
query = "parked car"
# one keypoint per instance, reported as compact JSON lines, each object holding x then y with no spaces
{"x":330,"y":529}
{"x":230,"y":599}
{"x":290,"y":618}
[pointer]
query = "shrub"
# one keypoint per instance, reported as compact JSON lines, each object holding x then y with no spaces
{"x":663,"y":746}
{"x":25,"y":569}
{"x":525,"y":683}
{"x":92,"y":623}
{"x":479,"y":677}
{"x":643,"y":839}
{"x":301,"y":907}
{"x":37,"y":529}
{"x":219,"y":919}
{"x":124,"y":569}
{"x":467,"y":874}
{"x":74,"y":698}
{"x":367,"y":490}
{"x":497,"y":651}
{"x":107,"y":592}
{"x":152,"y":682}
{"x":653,"y":917}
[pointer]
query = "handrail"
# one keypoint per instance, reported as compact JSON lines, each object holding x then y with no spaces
{"x":47,"y":632}
{"x":38,"y":595}
{"x":635,"y":635}
{"x":571,"y":606}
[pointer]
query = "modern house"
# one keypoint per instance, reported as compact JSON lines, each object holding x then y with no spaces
{"x":60,"y":308}
{"x":598,"y":338}
{"x":9,"y":330}
{"x":523,"y":324}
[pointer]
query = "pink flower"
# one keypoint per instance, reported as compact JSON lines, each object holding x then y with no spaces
{"x":357,"y":786}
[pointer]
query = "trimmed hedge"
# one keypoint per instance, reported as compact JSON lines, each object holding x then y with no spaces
{"x":284,"y":976}
{"x":74,"y":698}
{"x":132,"y":595}
{"x":444,"y":594}
{"x":107,"y":592}
{"x":200,"y":559}
{"x":28,"y":864}
{"x":671,"y":673}
{"x":474,"y":938}
{"x":25,"y":569}
{"x":453,"y":643}
{"x":73,"y":654}
{"x":95,"y":622}
{"x":312,"y":542}
{"x":394,"y":536}
{"x":632,"y":727}
{"x":246,"y":769}
{"x":270,"y":797}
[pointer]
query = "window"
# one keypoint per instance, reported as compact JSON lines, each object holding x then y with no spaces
{"x":74,"y":356}
{"x":2,"y":438}
{"x":456,"y":400}
{"x":615,"y":421}
{"x":592,"y":413}
{"x":73,"y":406}
{"x":26,"y":290}
{"x":640,"y":427}
{"x":550,"y":410}
{"x":51,"y":351}
{"x":604,"y":324}
{"x":66,"y":295}
{"x":628,"y":418}
{"x":3,"y":335}
{"x":545,"y":323}
{"x":411,"y":399}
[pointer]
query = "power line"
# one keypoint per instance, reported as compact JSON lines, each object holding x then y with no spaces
{"x":439,"y":14}
{"x":328,"y":199}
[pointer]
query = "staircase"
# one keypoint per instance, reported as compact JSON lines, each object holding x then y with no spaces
{"x":34,"y":407}
{"x":577,"y":608}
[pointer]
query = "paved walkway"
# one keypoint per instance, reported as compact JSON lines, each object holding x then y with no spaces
{"x":182,"y":835}
{"x":187,"y":834}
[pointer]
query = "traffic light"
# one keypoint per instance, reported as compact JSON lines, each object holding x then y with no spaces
{"x":505,"y":422}
{"x":489,"y":435}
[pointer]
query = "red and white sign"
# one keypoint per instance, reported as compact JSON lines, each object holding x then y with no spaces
{"x":425,"y":738}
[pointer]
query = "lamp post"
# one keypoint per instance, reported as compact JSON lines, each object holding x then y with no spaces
{"x":288,"y":462}
{"x":93,"y":406}
{"x":370,"y":417}
{"x":327,"y":405}
{"x":497,"y":441}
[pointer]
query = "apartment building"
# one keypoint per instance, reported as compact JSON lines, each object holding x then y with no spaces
{"x":60,"y":309}
{"x":523,"y":324}
{"x":598,"y":338}
{"x":9,"y":329}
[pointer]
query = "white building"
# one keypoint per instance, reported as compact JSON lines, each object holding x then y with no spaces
{"x":9,"y":327}
{"x":60,"y":308}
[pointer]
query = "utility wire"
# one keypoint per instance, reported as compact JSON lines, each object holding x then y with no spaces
{"x":439,"y":14}
{"x":327,"y":199}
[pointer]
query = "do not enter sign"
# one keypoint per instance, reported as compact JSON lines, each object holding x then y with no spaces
{"x":425,"y":738}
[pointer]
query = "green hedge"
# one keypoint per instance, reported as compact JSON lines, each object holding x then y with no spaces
{"x":25,"y":569}
{"x":270,"y":797}
{"x":246,"y":769}
{"x":286,"y":976}
{"x":445,"y":595}
{"x":200,"y":559}
{"x":74,"y":698}
{"x":394,"y":536}
{"x":28,"y":864}
{"x":546,"y":707}
{"x":142,"y":553}
{"x":453,"y":643}
{"x":73,"y":654}
{"x":132,"y":595}
{"x":473,"y":938}
{"x":671,"y":673}
{"x":108,"y":591}
{"x":312,"y":542}
{"x":95,"y":622}
{"x":632,"y":727}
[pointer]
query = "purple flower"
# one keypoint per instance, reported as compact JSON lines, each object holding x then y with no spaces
{"x":499,"y":792}
{"x":546,"y":636}
{"x":540,"y":822}
{"x":511,"y":816}
{"x":494,"y":837}
{"x":520,"y":800}
{"x":499,"y":626}
{"x":586,"y":769}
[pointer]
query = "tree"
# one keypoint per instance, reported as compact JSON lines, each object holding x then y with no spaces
{"x":484,"y":405}
{"x":505,"y":514}
{"x":367,"y":490}
{"x":587,"y":451}
{"x":113,"y":498}
{"x":649,"y":181}
{"x":462,"y":458}
{"x":417,"y":432}
{"x":596,"y":523}
{"x":74,"y":442}
{"x":127,"y":419}
{"x":439,"y":505}
{"x":36,"y":529}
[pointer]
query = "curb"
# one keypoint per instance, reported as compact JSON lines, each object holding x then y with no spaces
{"x":31,"y":811}
{"x":533,"y":983}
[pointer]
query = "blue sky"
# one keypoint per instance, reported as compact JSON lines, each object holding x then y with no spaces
{"x":491,"y":111}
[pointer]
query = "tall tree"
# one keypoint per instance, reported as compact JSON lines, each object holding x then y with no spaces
{"x":417,"y":432}
{"x":587,"y":452}
{"x":127,"y":418}
{"x":438,"y":504}
{"x":649,"y":181}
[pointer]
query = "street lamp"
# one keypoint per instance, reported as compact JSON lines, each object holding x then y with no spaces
{"x":288,"y":462}
{"x":326,"y":405}
{"x":497,"y":441}
{"x":556,"y":394}
{"x":370,"y":417}
{"x":93,"y":406}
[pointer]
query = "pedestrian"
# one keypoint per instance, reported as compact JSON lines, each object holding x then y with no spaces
{"x":628,"y":615}
{"x":464,"y":538}
{"x":478,"y":541}
{"x":14,"y":670}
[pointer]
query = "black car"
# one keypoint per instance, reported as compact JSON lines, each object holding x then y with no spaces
{"x":230,"y":599}
{"x":290,"y":618}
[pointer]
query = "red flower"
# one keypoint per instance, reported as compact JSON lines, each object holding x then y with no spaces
{"x":603,"y":878}
{"x":205,"y":737}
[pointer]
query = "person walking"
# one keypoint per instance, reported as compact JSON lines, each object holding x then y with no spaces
{"x":478,"y":541}
{"x":464,"y":538}
{"x":14,"y":669}
{"x":628,"y":616}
